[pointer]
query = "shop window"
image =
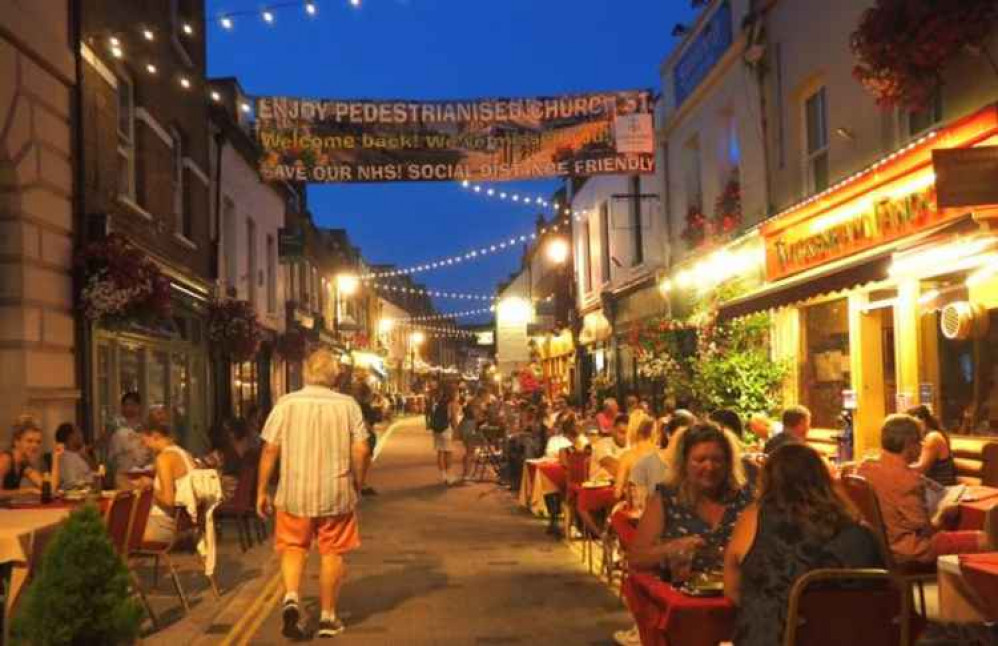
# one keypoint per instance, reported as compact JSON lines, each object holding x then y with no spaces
{"x":816,"y":141}
{"x":106,"y":410}
{"x":825,"y":373}
{"x":251,"y":260}
{"x":964,"y":388}
{"x":180,"y":397}
{"x":244,"y":387}
{"x":156,"y":392}
{"x":921,"y":120}
{"x":271,"y":276}
{"x":692,"y":175}
{"x":126,"y":136}
{"x":130,"y":369}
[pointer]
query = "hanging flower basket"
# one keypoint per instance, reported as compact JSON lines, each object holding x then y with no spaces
{"x":122,"y":284}
{"x":728,"y":207}
{"x":696,"y":232}
{"x":233,"y":329}
{"x":902,"y":46}
{"x":292,"y":346}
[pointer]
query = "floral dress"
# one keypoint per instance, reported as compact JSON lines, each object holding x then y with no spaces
{"x":681,"y":521}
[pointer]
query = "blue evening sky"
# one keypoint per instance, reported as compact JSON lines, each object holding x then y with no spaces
{"x":441,"y":49}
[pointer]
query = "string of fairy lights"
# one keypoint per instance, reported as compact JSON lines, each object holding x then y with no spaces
{"x":557,"y":207}
{"x":432,"y":292}
{"x":268,"y":13}
{"x":473,"y":254}
{"x":448,"y":315}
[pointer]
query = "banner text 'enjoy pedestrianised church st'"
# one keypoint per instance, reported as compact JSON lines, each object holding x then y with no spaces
{"x":477,"y":140}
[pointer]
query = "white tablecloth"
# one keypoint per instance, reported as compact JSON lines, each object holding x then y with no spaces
{"x":532,"y":491}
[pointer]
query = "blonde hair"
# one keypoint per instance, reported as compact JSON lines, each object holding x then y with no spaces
{"x":678,"y":450}
{"x":322,"y":368}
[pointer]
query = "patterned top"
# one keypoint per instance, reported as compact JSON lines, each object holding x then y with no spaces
{"x":681,"y":521}
{"x":780,"y":554}
{"x":315,"y":428}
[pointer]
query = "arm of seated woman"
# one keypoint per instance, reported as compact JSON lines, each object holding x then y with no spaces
{"x":649,"y":550}
{"x":742,"y":537}
{"x":932,"y":448}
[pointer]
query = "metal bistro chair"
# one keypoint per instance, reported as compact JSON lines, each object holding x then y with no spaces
{"x":140,"y":518}
{"x":829,"y":607}
{"x":488,"y":453}
{"x":911,"y":574}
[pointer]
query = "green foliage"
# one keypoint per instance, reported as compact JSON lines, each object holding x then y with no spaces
{"x":730,"y":366}
{"x":80,"y":593}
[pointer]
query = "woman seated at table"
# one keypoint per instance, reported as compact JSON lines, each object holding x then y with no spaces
{"x":936,"y":459}
{"x":20,"y":462}
{"x":173,"y":464}
{"x":689,"y":518}
{"x":800,"y":523}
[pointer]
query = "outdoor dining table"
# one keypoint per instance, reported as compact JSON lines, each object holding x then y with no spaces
{"x":968,"y":588}
{"x":668,"y":617}
{"x":972,"y":510}
{"x":593,"y":496}
{"x":541,"y":477}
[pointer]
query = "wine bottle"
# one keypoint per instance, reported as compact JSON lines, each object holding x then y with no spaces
{"x":46,"y":489}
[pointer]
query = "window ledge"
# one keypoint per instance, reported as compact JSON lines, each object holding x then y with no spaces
{"x":184,"y":240}
{"x":132,"y":206}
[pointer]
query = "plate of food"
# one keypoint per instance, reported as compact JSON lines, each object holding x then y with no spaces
{"x":705,"y":584}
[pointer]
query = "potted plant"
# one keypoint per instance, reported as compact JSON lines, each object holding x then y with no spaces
{"x":80,"y":593}
{"x":728,"y":206}
{"x":695,"y":233}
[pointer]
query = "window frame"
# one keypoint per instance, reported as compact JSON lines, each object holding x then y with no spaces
{"x":604,"y":226}
{"x":809,"y":156}
{"x":637,"y":232}
{"x":271,"y":258}
{"x":125,"y":144}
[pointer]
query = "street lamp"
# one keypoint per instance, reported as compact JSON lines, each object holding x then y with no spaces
{"x":557,"y":250}
{"x":346,"y":285}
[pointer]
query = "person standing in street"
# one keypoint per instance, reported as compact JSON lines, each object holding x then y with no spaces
{"x":320,"y":437}
{"x":126,"y":450}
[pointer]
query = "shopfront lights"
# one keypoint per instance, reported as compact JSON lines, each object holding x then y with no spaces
{"x":417,"y":338}
{"x":557,"y":251}
{"x":347,"y":284}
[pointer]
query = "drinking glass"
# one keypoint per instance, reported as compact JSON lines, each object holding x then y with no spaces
{"x":681,"y":564}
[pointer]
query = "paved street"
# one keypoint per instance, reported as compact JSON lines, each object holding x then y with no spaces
{"x":455,"y":566}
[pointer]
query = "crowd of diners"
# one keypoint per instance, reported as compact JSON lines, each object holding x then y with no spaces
{"x":748,"y":502}
{"x":137,"y":451}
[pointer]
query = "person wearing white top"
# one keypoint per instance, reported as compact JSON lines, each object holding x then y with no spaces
{"x":173,"y":464}
{"x":607,"y":451}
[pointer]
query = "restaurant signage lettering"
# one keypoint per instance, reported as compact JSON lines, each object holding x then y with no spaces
{"x":329,"y":141}
{"x":966,"y":176}
{"x":702,"y":53}
{"x":799,"y":247}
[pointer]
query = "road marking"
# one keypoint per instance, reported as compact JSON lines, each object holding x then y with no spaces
{"x":251,"y":613}
{"x":383,"y":440}
{"x":265,"y":609}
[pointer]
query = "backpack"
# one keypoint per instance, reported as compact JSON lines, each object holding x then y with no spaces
{"x":440,"y":419}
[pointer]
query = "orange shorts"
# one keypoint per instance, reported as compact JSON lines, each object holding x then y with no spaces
{"x":335,"y":534}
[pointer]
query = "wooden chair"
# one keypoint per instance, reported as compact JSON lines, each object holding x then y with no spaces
{"x":242,"y":507}
{"x":841,"y":606}
{"x":911,"y":574}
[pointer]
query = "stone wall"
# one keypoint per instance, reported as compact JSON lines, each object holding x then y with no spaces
{"x":37,"y":353}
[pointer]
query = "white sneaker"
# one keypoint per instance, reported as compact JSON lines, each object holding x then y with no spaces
{"x":452,"y":480}
{"x":627,"y":637}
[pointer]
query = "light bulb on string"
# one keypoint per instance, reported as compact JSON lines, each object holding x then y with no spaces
{"x":226,"y":22}
{"x":188,"y":29}
{"x":150,"y":68}
{"x":215,"y":96}
{"x":268,"y":17}
{"x":148,"y":34}
{"x":185,"y":82}
{"x":310,"y":8}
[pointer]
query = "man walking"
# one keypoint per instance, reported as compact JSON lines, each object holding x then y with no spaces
{"x":321,"y":440}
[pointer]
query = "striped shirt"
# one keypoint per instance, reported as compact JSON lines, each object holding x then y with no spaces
{"x":315,"y":428}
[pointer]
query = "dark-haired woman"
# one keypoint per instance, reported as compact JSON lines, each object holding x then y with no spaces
{"x":799,"y":524}
{"x":694,"y":511}
{"x":936,"y":460}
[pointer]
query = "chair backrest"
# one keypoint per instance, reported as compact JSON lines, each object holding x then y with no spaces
{"x":578,"y":465}
{"x":989,"y":466}
{"x":833,"y":607}
{"x":118,"y":519}
{"x":243,"y":496}
{"x":140,"y":518}
{"x":864,"y":497}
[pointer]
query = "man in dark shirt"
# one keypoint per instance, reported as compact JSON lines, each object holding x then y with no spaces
{"x":796,"y":424}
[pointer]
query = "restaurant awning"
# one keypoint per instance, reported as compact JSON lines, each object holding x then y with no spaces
{"x":849,"y":273}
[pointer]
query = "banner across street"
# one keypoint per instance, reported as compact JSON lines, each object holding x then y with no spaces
{"x":324,"y":141}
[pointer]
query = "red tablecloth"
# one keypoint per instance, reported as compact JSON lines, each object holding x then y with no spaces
{"x":667,"y":617}
{"x":972,"y":512}
{"x":595,"y":498}
{"x":554,"y":472}
{"x":980,"y":571}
